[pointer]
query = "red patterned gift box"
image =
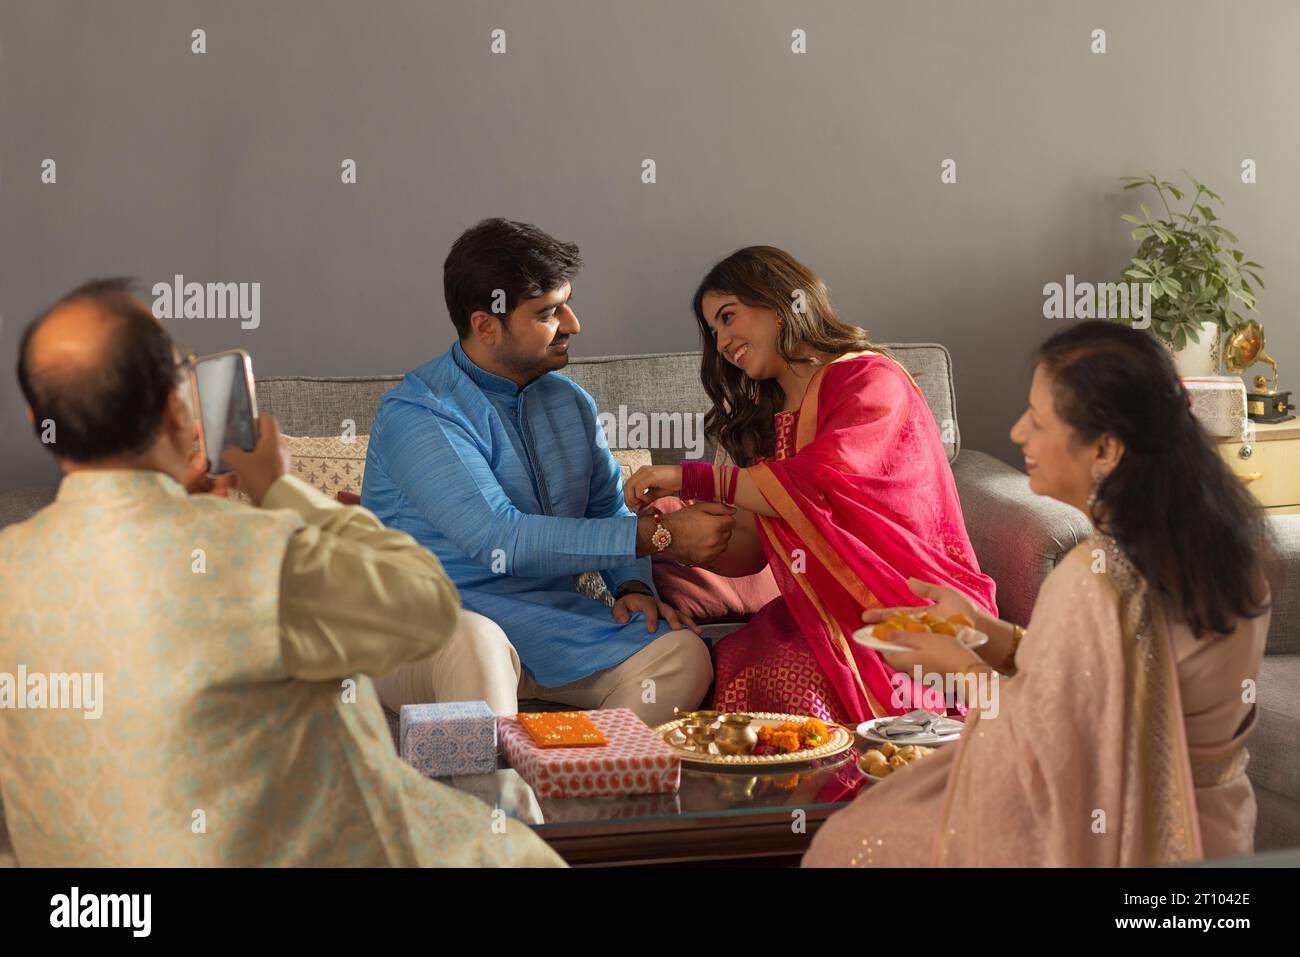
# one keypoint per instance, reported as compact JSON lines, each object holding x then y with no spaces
{"x":636,"y":760}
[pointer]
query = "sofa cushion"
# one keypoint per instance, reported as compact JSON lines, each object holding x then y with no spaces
{"x":312,"y":405}
{"x":664,"y":382}
{"x":1277,"y":822}
{"x":1284,"y":626}
{"x":1018,"y":536}
{"x":1272,"y":746}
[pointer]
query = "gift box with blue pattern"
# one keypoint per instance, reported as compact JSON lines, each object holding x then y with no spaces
{"x":453,"y":737}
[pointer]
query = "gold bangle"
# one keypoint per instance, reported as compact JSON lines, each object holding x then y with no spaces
{"x":1009,"y":663}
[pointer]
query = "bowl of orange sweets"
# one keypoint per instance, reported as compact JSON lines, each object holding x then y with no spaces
{"x":881,"y":636}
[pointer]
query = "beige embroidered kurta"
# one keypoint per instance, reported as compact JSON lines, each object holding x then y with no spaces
{"x":1107,"y":749}
{"x":238,"y":726}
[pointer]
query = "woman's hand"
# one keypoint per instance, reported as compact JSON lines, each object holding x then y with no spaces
{"x":651,"y":482}
{"x":632,"y":603}
{"x":935,"y":653}
{"x":947,"y":602}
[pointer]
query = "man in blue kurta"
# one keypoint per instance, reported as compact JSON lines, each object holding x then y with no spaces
{"x":497,"y":463}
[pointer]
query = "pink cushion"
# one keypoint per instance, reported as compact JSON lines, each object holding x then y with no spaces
{"x":705,"y":596}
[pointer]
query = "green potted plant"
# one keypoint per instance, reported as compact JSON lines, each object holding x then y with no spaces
{"x":1198,"y":279}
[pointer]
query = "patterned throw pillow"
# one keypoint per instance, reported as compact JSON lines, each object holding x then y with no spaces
{"x":328,"y":463}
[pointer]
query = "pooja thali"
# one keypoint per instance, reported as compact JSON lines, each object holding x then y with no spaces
{"x":702,"y":738}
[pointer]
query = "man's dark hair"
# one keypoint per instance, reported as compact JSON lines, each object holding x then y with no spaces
{"x":517,"y":258}
{"x":115,"y":406}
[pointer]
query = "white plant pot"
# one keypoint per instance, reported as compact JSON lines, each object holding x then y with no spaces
{"x":1201,"y":358}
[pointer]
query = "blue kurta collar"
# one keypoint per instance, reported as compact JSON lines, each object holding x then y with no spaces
{"x":487,"y":381}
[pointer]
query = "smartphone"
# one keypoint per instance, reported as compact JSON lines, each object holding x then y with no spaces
{"x":227,"y":405}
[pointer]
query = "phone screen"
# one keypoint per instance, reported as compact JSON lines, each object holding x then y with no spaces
{"x":226,"y":407}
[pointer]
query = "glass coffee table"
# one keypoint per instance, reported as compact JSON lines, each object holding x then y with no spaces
{"x":715,"y":816}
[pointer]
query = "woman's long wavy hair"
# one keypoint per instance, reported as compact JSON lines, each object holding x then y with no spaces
{"x":1174,"y":506}
{"x":768,"y":278}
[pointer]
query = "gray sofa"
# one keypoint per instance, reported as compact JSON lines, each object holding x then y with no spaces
{"x":1018,"y":536}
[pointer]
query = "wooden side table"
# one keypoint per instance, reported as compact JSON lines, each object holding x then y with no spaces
{"x":1270,"y":465}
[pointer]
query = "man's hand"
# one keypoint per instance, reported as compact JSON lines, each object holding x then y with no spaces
{"x":701,"y":532}
{"x":257,"y":470}
{"x":198,"y":481}
{"x":632,"y":603}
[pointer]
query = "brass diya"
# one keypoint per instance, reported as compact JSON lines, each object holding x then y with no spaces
{"x":705,"y":717}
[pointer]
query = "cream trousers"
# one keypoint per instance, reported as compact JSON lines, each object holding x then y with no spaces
{"x":478,"y":663}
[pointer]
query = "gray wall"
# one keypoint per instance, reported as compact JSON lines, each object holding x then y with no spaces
{"x":225,"y":166}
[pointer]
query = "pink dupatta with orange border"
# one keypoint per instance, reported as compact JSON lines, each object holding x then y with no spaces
{"x":865,"y":498}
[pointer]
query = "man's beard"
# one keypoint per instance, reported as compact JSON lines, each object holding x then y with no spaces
{"x":530,"y":366}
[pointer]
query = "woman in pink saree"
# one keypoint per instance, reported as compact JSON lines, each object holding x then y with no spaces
{"x":1116,"y":734}
{"x":842,"y":488}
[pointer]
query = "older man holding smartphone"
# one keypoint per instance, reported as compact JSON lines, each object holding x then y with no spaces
{"x":238,"y":726}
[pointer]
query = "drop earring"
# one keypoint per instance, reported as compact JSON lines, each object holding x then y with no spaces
{"x":780,"y":328}
{"x":1096,"y":484}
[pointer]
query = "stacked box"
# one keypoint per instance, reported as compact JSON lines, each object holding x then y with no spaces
{"x":453,"y":737}
{"x":636,"y":760}
{"x":1219,"y":401}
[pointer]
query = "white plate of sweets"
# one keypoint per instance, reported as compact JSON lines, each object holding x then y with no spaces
{"x":960,"y":627}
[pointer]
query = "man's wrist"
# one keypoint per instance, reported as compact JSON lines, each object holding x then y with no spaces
{"x":646,"y":526}
{"x":259,"y":492}
{"x":634,"y":587}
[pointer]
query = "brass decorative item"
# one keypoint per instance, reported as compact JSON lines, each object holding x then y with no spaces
{"x":1245,"y":347}
{"x":699,"y":735}
{"x":704,"y":717}
{"x":736,"y":734}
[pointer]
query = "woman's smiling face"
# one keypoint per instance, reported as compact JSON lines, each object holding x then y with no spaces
{"x":1059,"y":465}
{"x":745,"y":335}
